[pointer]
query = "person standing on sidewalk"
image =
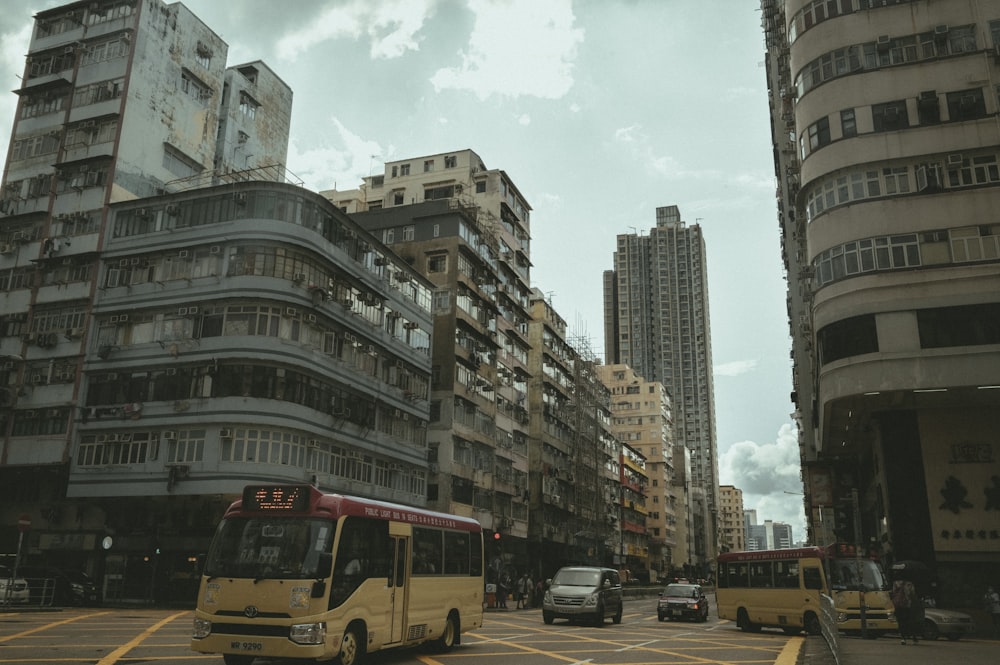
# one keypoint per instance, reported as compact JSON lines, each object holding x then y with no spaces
{"x":904,"y":601}
{"x":991,"y":603}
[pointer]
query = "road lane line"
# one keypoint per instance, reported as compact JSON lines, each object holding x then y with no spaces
{"x":113,"y":657}
{"x":528,"y":649}
{"x":790,"y":654}
{"x":636,"y":646}
{"x":50,"y":625}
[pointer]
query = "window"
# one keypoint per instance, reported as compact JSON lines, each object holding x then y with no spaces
{"x":890,"y":116}
{"x":966,"y":104}
{"x":819,"y":133}
{"x":928,"y":109}
{"x":397,"y":197}
{"x":428,"y":165}
{"x":404,"y":169}
{"x":480,"y":186}
{"x":849,"y":337}
{"x":248,"y":106}
{"x":966,"y":325}
{"x":450,"y":161}
{"x":437,"y":263}
{"x":848,"y":123}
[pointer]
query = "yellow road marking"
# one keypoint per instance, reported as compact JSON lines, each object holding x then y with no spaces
{"x":790,"y":654}
{"x":49,"y":625}
{"x":112,"y":657}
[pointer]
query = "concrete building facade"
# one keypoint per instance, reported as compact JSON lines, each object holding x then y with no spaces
{"x":642,"y":417}
{"x":173,"y":329}
{"x":731,"y":518}
{"x":657,"y":322}
{"x":886,"y":151}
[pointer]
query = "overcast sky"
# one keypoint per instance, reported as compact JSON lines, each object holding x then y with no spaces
{"x":600,"y":111}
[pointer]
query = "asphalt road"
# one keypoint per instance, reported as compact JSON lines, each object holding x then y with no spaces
{"x":111,"y":636}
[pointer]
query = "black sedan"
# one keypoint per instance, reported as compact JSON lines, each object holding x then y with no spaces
{"x":682,"y":601}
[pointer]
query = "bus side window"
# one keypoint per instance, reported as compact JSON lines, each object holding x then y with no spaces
{"x":812,"y":579}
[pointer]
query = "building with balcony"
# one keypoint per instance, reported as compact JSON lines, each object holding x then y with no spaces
{"x":657,"y":322}
{"x":175,"y":326}
{"x":641,"y":416}
{"x":731,"y":518}
{"x":887,"y":155}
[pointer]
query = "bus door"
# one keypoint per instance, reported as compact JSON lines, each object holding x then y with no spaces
{"x":813,"y":584}
{"x":400,"y":564}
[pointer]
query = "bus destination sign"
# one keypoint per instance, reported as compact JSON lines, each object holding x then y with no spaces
{"x":276,"y":498}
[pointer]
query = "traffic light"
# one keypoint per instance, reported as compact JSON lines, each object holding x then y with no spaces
{"x":496,"y":536}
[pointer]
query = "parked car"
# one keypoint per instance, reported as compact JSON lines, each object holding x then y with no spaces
{"x":583,"y":593}
{"x":949,"y":623}
{"x":13,"y":590}
{"x":682,"y":601}
{"x":51,"y":586}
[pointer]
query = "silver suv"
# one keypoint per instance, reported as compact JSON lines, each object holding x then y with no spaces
{"x":583,"y":593}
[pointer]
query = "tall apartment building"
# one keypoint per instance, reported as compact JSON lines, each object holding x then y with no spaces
{"x":466,"y":228}
{"x":657,"y":322}
{"x":731,"y":518}
{"x":571,"y":447}
{"x":519,"y":432}
{"x":171,"y":330}
{"x":642,"y":417}
{"x":887,"y":152}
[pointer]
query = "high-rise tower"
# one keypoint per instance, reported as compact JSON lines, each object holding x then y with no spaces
{"x":657,"y":322}
{"x":887,"y":157}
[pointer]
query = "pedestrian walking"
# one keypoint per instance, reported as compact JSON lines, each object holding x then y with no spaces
{"x":991,"y":603}
{"x":503,"y":589}
{"x":521,"y":591}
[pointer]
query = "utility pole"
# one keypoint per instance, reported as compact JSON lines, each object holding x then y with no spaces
{"x":856,"y":509}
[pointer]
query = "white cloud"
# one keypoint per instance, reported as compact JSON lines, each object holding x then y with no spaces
{"x":390,"y":25}
{"x":735,"y":368}
{"x":341,"y":167}
{"x":517,"y":47}
{"x":768,"y":475}
{"x":524,"y":119}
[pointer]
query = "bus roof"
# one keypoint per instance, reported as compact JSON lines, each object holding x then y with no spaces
{"x":307,"y":500}
{"x":770,"y":555}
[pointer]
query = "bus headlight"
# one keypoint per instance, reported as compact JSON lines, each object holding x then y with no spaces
{"x":841,"y":617}
{"x":201,"y":629}
{"x":308,"y":633}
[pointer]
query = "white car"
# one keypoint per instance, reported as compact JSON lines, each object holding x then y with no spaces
{"x":949,"y":623}
{"x":13,"y":590}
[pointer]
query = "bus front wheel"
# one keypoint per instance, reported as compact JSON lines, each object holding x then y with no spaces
{"x":813,"y":625}
{"x":743,"y":621}
{"x":352,"y":646}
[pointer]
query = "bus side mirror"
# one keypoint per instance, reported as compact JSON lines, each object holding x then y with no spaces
{"x":324,"y":566}
{"x":200,"y":560}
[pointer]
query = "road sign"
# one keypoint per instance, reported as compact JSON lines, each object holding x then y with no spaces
{"x":24,"y":523}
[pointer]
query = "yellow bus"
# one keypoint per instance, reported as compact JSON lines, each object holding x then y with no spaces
{"x":781,"y":588}
{"x":293,"y":572}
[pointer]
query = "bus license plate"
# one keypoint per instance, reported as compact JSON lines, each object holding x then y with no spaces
{"x":247,"y":646}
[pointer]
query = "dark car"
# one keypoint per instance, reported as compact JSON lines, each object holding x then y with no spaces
{"x":583,"y":593}
{"x":682,"y":601}
{"x":55,"y":587}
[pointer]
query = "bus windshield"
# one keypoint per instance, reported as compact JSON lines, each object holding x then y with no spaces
{"x":269,"y":547}
{"x":843,"y":575}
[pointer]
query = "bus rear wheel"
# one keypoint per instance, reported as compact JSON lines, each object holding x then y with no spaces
{"x":812,"y":624}
{"x":743,"y":621}
{"x":449,"y":634}
{"x":352,"y":646}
